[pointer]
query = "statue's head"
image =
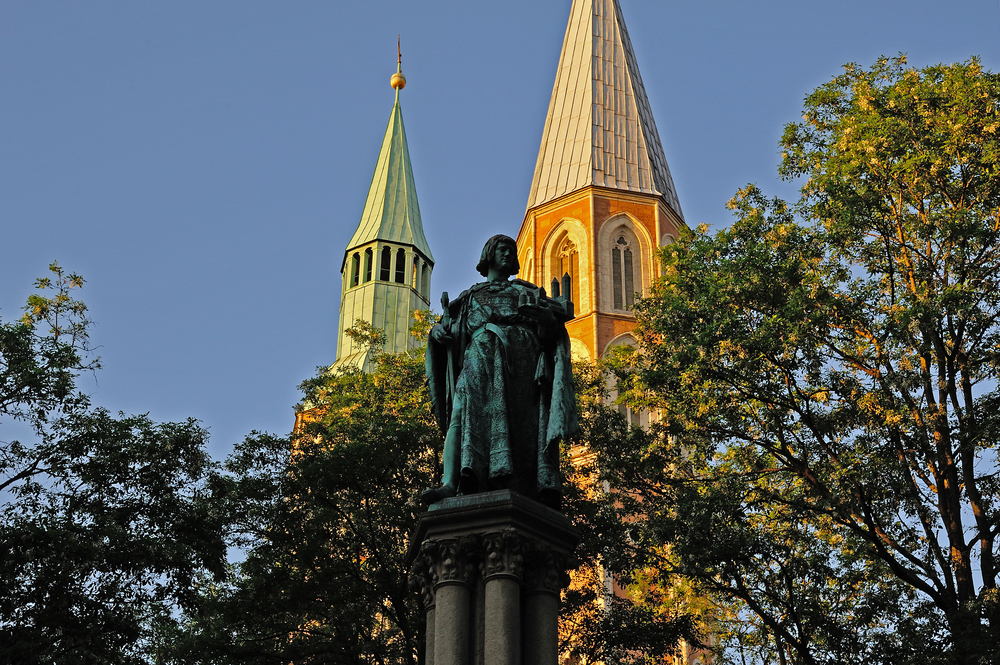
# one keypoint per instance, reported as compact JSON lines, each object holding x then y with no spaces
{"x":489,"y":256}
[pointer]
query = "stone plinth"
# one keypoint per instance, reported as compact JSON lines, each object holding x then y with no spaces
{"x":490,"y":567}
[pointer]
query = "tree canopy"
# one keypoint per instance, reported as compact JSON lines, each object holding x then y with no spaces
{"x":322,"y":520}
{"x":825,"y":377}
{"x":106,"y":519}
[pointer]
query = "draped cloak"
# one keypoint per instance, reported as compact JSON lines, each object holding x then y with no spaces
{"x":502,"y":389}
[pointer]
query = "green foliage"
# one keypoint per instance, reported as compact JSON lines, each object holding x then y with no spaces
{"x":825,"y":462}
{"x":365,"y":334}
{"x":611,"y":613}
{"x":106,"y":520}
{"x":325,"y":519}
{"x":42,"y":353}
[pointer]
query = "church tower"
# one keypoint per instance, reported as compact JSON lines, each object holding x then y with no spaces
{"x":386,"y":272}
{"x":602,"y":199}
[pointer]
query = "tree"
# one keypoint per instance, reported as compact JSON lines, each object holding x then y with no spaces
{"x":324,"y":518}
{"x":106,"y":520}
{"x":613,"y":611}
{"x":825,"y":376}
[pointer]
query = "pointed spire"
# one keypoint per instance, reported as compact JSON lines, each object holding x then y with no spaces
{"x":391,"y":211}
{"x":599,"y":129}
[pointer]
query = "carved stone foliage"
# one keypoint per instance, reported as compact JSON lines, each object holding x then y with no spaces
{"x":423,"y":573}
{"x":546,"y":570}
{"x":456,"y":560}
{"x":503,"y":554}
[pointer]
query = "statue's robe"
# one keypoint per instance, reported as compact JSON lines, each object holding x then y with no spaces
{"x":502,"y":389}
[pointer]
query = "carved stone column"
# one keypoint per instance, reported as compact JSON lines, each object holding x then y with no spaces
{"x":546,"y":577}
{"x":455,"y":565}
{"x":508,"y":614}
{"x":502,"y":568}
{"x":423,"y":581}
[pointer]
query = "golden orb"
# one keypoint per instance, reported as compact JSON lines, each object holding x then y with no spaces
{"x":398,"y":81}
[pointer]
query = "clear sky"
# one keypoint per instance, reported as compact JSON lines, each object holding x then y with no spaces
{"x":203,"y":162}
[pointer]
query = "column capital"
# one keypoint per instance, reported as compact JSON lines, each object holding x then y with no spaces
{"x":454,"y":560}
{"x":423,"y":574}
{"x":504,"y":554}
{"x":547,"y":574}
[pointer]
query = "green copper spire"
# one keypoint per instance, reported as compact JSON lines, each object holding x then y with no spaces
{"x":392,"y":213}
{"x":386,"y":274}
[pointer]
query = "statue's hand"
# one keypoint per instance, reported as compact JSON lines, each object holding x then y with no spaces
{"x":537,"y":313}
{"x":440,"y":334}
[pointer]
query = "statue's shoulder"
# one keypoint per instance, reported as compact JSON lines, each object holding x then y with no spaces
{"x":464,"y":295}
{"x":472,"y":289}
{"x":516,"y":283}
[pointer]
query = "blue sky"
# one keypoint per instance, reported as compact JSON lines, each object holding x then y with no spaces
{"x":203,"y":162}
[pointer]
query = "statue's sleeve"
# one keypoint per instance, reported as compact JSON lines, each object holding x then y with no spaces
{"x":442,"y":363}
{"x":563,"y":421}
{"x":436,"y":364}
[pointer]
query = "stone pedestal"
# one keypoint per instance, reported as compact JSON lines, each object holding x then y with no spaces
{"x":490,"y":567}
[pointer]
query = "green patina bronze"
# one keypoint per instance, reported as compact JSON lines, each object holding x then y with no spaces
{"x":498,"y":364}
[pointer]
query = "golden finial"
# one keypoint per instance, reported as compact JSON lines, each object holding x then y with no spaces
{"x":398,"y":81}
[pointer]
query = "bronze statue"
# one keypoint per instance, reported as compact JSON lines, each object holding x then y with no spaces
{"x":498,"y":365}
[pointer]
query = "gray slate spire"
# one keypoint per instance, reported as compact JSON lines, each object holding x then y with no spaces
{"x":599,"y":129}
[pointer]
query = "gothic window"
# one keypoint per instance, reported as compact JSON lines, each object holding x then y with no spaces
{"x":385,"y":270}
{"x":368,"y":264}
{"x":426,"y":287}
{"x":568,"y":263}
{"x":566,"y":251}
{"x":623,"y":273}
{"x":401,"y":266}
{"x":634,"y":417}
{"x":355,"y":268}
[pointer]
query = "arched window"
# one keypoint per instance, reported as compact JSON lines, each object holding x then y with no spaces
{"x":415,"y":274}
{"x":355,"y":268}
{"x":623,"y":273}
{"x":401,"y":266}
{"x":568,"y":263}
{"x":566,"y":250}
{"x":426,"y":287}
{"x":385,"y":270}
{"x":368,"y":264}
{"x":634,"y":417}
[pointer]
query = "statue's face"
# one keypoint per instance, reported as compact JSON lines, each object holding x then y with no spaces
{"x":504,"y":257}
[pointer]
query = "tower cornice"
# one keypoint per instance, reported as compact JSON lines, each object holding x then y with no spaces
{"x":604,"y":192}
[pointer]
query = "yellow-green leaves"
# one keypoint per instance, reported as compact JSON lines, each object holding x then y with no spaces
{"x":832,"y":368}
